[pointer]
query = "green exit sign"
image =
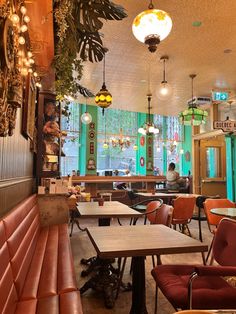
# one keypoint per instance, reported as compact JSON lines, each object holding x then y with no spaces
{"x":220,"y":96}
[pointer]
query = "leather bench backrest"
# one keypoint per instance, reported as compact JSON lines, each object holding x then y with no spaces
{"x":22,"y":229}
{"x":8,"y":296}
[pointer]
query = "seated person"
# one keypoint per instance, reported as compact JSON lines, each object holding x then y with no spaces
{"x":118,"y":185}
{"x":172,"y":177}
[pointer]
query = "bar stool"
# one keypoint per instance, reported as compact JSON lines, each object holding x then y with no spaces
{"x":106,"y":194}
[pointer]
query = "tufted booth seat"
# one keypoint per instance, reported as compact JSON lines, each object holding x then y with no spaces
{"x":36,"y":270}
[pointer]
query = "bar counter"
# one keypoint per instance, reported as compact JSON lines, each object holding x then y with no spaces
{"x":93,"y":184}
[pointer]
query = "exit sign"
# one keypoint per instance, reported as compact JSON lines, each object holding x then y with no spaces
{"x":220,"y":96}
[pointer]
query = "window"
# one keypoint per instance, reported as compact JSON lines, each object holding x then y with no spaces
{"x":70,"y":123}
{"x":116,"y":127}
{"x":167,"y":143}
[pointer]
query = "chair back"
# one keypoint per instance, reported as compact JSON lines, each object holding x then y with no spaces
{"x":162,"y":216}
{"x":224,"y":244}
{"x":214,"y":220}
{"x":183,"y":207}
{"x":152,"y":209}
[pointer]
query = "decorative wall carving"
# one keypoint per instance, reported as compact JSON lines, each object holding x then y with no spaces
{"x":11,"y":85}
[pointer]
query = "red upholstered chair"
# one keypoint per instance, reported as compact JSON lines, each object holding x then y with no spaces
{"x":203,"y":287}
{"x":214,"y":220}
{"x":183,"y":211}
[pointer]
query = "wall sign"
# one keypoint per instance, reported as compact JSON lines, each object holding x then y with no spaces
{"x":142,"y":161}
{"x":91,"y":135}
{"x":226,"y":125}
{"x":91,"y":148}
{"x":142,"y":140}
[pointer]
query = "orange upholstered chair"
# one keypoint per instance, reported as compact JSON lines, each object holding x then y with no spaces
{"x":214,"y":220}
{"x":183,"y":211}
{"x":199,"y":286}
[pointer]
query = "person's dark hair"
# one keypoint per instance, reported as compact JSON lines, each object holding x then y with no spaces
{"x":172,"y":166}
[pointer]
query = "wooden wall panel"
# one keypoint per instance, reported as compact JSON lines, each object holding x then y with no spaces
{"x":16,"y":168}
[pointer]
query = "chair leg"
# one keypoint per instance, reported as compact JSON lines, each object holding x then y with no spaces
{"x":174,"y":227}
{"x":153,"y":261}
{"x":156,"y":296}
{"x":72,"y":226}
{"x":188,"y":231}
{"x":209,"y":252}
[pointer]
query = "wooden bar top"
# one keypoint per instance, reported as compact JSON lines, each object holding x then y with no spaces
{"x":105,"y":179}
{"x":141,"y":240}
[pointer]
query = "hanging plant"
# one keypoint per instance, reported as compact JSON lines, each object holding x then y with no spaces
{"x":77,"y":39}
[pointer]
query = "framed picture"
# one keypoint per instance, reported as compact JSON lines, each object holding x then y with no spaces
{"x":28,"y":120}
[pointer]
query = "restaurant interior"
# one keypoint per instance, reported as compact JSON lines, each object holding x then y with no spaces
{"x":117,"y":156}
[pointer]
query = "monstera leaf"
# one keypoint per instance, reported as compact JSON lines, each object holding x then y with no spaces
{"x":90,"y":46}
{"x":90,"y":13}
{"x":85,"y":91}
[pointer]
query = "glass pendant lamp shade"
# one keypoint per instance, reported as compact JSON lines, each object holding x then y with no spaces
{"x":164,"y":91}
{"x":103,"y":98}
{"x":193,"y":115}
{"x":86,"y":118}
{"x":152,"y":26}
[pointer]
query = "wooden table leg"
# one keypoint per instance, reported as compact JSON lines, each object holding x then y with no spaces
{"x":138,"y":284}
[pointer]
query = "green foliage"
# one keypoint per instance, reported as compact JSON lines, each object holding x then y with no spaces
{"x":77,"y":25}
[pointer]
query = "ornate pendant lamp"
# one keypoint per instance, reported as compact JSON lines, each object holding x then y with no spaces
{"x":149,"y":127}
{"x":152,"y":26}
{"x":193,"y":115}
{"x":103,"y":98}
{"x":164,"y":90}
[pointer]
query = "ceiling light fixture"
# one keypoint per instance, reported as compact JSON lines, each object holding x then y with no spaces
{"x":103,"y":98}
{"x":164,"y":90}
{"x":152,"y":26}
{"x":121,"y":141}
{"x":149,"y":127}
{"x":193,"y":115}
{"x":86,"y":117}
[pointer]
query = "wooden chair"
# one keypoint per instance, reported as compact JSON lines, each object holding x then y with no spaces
{"x":183,"y":211}
{"x":214,"y":220}
{"x":202,"y":287}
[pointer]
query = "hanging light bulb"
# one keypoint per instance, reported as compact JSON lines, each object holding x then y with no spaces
{"x":86,"y":118}
{"x":135,"y":147}
{"x":181,"y":151}
{"x":105,"y":145}
{"x":29,"y":54}
{"x":103,"y":98}
{"x":23,"y":28}
{"x":21,"y":40}
{"x":158,"y":148}
{"x":164,"y":90}
{"x":15,"y":19}
{"x":24,"y":71}
{"x":23,"y":9}
{"x":152,"y":26}
{"x":26,"y":19}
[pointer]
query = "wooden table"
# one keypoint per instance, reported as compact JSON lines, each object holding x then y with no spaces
{"x":227,"y":212}
{"x":139,"y":241}
{"x":111,"y":209}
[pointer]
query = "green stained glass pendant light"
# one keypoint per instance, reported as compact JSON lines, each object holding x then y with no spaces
{"x":193,"y":115}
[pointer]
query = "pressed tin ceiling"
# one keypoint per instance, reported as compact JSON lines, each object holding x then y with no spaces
{"x":191,"y":49}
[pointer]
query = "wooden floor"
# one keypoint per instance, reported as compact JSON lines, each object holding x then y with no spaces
{"x":93,"y":302}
